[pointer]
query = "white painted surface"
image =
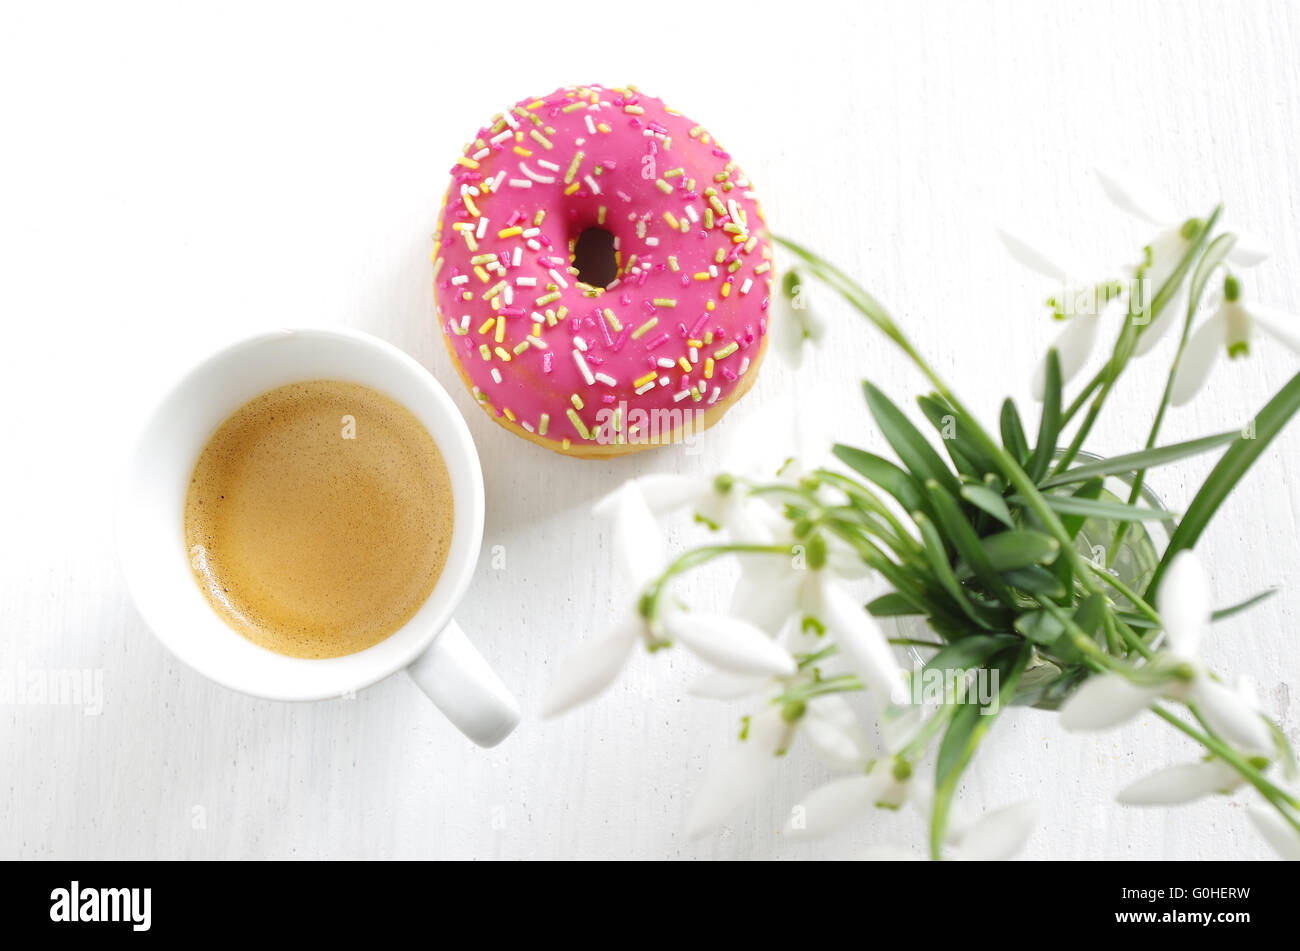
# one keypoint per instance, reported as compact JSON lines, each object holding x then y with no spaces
{"x":171,"y":178}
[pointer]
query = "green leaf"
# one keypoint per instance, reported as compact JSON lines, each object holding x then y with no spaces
{"x":1240,"y":606}
{"x":883,"y":473}
{"x":1073,"y":524}
{"x":1227,"y":472}
{"x":969,"y":725}
{"x":1013,"y":432}
{"x":966,"y":542}
{"x":1139,"y":461}
{"x":892,"y":604}
{"x":1049,"y":426}
{"x":966,"y":455}
{"x":970,"y":652}
{"x":936,"y":555}
{"x":1089,"y":613}
{"x":989,"y":501}
{"x":1219,"y":249}
{"x":917,"y":455}
{"x":1040,"y":627}
{"x":1008,"y":551}
{"x":1100,"y":508}
{"x":1036,"y":580}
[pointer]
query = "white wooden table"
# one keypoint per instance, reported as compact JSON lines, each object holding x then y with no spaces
{"x":173,"y":177}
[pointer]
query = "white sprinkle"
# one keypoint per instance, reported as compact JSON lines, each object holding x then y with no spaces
{"x":744,"y":365}
{"x":496,"y":375}
{"x":555,"y":276}
{"x":665,"y":362}
{"x":460,"y":279}
{"x":606,"y":379}
{"x":508,"y":294}
{"x":717,"y":391}
{"x":692,"y":213}
{"x":538,"y":318}
{"x":681,"y":395}
{"x":531,"y":232}
{"x":537,"y":342}
{"x":517,"y":256}
{"x":527,"y":426}
{"x":510,"y":120}
{"x":525,"y":282}
{"x":623,"y":195}
{"x":713,"y":270}
{"x":579,"y":141}
{"x":583,"y":368}
{"x":591,"y":183}
{"x":500,"y":137}
{"x":496,"y":182}
{"x":695,"y":354}
{"x":663,"y":381}
{"x":549,"y":166}
{"x":520,"y":183}
{"x":480,"y":154}
{"x":540,"y":179}
{"x":652,"y":242}
{"x":645,"y":388}
{"x":464,"y":323}
{"x":591,"y":126}
{"x":470,"y":190}
{"x":744,"y":288}
{"x":580,"y":343}
{"x":481,"y":230}
{"x":532,"y":245}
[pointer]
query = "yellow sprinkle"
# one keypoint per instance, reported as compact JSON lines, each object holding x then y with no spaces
{"x":726,"y":351}
{"x":702,"y":275}
{"x":600,"y":215}
{"x":521,"y":347}
{"x":695,"y":133}
{"x":540,"y":139}
{"x":537,"y":330}
{"x":483,"y":275}
{"x":672,"y":262}
{"x":547,"y":298}
{"x":709,"y":304}
{"x":671,"y":219}
{"x":484,"y":352}
{"x":634,"y":110}
{"x":663,"y":186}
{"x":482,"y":258}
{"x":487,"y":325}
{"x":726,"y":290}
{"x":503,"y":353}
{"x":642,"y":381}
{"x":708,"y":337}
{"x":565,"y":444}
{"x":612,"y":319}
{"x":535,"y":104}
{"x":510,"y":232}
{"x":501,"y":331}
{"x":708,"y":218}
{"x":574,"y":107}
{"x":578,"y":424}
{"x":467,"y":162}
{"x":576,"y":400}
{"x":539,"y":218}
{"x":509,"y":415}
{"x":692,"y":342}
{"x":684,"y":364}
{"x":604,"y":129}
{"x":573,"y":188}
{"x":708,"y":368}
{"x":665,"y":302}
{"x":520,"y":150}
{"x":470,"y":206}
{"x":573,"y":167}
{"x":644,"y":328}
{"x":543,"y":423}
{"x":674,"y":172}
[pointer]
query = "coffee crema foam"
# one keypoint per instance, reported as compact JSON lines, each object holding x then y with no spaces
{"x":318,"y":518}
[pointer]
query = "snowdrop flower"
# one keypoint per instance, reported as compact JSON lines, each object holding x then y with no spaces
{"x":887,"y":783}
{"x":1231,"y":328}
{"x":996,"y":836}
{"x":1079,"y":305}
{"x":1162,"y":256}
{"x":734,"y":780}
{"x":796,"y":321}
{"x":1181,"y":784}
{"x":1107,"y":700}
{"x":1276,"y":831}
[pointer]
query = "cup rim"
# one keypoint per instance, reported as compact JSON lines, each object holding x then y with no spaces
{"x":452,"y":583}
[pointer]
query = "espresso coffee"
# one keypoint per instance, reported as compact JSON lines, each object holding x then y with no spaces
{"x":318,"y":518}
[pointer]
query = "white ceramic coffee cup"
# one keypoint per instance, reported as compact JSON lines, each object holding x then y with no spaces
{"x":430,"y":647}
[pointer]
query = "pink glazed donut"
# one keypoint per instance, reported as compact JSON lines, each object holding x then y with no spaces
{"x":602,"y":272}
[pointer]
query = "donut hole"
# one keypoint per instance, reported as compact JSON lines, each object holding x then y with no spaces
{"x":593,"y":256}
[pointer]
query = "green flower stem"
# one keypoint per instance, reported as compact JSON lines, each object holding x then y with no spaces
{"x":650,"y":597}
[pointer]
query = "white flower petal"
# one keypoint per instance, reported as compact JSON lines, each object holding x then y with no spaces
{"x":1249,"y":249}
{"x":1105,"y":701}
{"x":590,"y":669}
{"x":1203,"y":348}
{"x":720,"y":685}
{"x":834,"y":731}
{"x":668,"y":492}
{"x":999,"y":834}
{"x":729,"y":643}
{"x":863,"y":643}
{"x":1278,"y":324}
{"x":1276,"y":831}
{"x":638,"y":543}
{"x":765,"y":595}
{"x":1124,"y":194}
{"x":1230,"y":716}
{"x":828,"y":808}
{"x":1180,"y":784}
{"x":1184,"y":603}
{"x":1171,"y":314}
{"x":739,"y":775}
{"x":1073,"y":346}
{"x":1028,"y":254}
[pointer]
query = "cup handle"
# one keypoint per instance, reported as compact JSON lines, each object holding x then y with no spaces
{"x":454,"y":675}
